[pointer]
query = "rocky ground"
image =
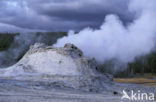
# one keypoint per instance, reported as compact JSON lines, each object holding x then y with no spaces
{"x":22,"y":93}
{"x":28,"y":91}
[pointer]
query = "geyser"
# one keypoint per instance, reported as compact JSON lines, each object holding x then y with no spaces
{"x":66,"y":66}
{"x":114,"y":40}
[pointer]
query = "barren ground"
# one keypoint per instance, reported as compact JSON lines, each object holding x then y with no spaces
{"x":21,"y":91}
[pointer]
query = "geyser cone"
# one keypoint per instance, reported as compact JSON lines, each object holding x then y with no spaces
{"x":65,"y":64}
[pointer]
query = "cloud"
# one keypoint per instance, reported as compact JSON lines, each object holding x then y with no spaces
{"x":81,"y":10}
{"x":61,"y":15}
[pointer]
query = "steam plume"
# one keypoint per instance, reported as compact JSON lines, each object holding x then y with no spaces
{"x":115,"y":41}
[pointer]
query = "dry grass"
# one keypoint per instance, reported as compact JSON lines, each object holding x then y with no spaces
{"x":134,"y":80}
{"x":145,"y":80}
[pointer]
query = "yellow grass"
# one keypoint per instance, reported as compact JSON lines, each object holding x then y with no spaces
{"x":142,"y":81}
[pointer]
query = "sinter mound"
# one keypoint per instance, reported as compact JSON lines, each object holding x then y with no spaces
{"x":65,"y":65}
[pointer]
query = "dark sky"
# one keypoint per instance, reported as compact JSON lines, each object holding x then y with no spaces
{"x":59,"y":15}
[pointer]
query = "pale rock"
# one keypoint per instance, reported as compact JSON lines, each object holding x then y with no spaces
{"x":65,"y":65}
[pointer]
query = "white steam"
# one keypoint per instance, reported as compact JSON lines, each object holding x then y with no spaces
{"x":115,"y":41}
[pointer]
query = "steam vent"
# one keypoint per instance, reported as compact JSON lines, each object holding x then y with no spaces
{"x":65,"y":65}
